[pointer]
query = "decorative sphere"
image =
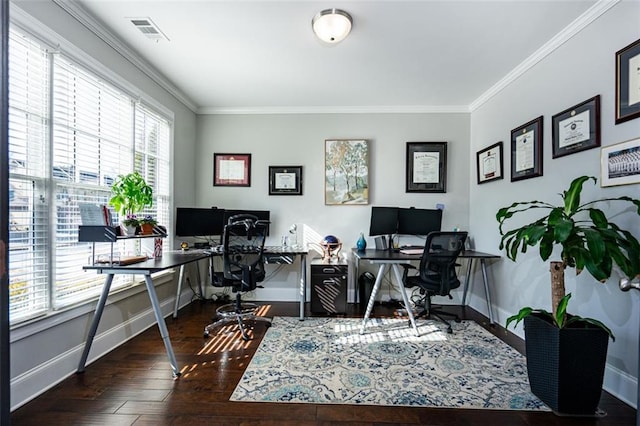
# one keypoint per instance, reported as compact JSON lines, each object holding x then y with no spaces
{"x":330,"y":239}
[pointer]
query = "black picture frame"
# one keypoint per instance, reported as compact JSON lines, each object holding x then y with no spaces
{"x":627,"y":95}
{"x":577,"y":128}
{"x":526,"y":150}
{"x":490,"y":163}
{"x":231,"y":169}
{"x":285,"y":180}
{"x":426,"y":167}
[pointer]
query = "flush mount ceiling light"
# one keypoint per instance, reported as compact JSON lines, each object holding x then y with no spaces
{"x":332,"y":25}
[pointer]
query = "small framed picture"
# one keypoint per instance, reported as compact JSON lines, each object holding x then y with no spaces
{"x":231,"y":169}
{"x":490,"y":163}
{"x":628,"y":82}
{"x":620,"y":163}
{"x":577,"y":128}
{"x":426,"y":168}
{"x":526,"y":150}
{"x":285,"y":180}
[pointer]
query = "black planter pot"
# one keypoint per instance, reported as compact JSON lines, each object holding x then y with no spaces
{"x":566,"y":366}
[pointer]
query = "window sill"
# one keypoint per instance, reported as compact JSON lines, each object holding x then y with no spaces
{"x":54,"y":318}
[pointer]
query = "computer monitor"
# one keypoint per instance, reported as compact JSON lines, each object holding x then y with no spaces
{"x":414,"y":221}
{"x":384,"y":221}
{"x":199,"y":222}
{"x":260,"y":214}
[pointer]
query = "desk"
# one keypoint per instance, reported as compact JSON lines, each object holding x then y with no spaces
{"x":275,"y":255}
{"x":386,"y":258}
{"x":167,"y":261}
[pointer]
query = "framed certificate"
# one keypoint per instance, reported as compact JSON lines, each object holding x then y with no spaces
{"x":426,"y":168}
{"x":231,"y":169}
{"x":628,"y":82}
{"x":577,"y":128}
{"x":526,"y":150}
{"x":285,"y":180}
{"x":620,"y":163}
{"x":490,"y":163}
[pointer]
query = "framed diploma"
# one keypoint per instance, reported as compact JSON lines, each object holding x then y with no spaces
{"x":628,"y":82}
{"x":426,"y":168}
{"x":526,"y":150}
{"x":620,"y":163}
{"x":231,"y":169}
{"x":285,"y":180}
{"x":577,"y":128}
{"x":490,"y":163}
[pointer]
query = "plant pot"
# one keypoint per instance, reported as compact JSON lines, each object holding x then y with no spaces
{"x":146,"y":229}
{"x":566,"y":366}
{"x":130,"y":230}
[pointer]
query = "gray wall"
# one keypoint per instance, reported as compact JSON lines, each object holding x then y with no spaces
{"x":276,"y":140}
{"x":580,"y":69}
{"x":45,"y":351}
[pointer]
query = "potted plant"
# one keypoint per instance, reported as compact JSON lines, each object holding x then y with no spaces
{"x":559,"y":346}
{"x":146,"y":225}
{"x":131,"y":224}
{"x":130,"y":195}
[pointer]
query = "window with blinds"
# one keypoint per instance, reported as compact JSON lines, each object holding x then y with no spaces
{"x":71,"y":133}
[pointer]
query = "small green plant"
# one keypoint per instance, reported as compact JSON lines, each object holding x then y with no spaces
{"x":131,"y":220}
{"x":131,"y":194}
{"x":561,"y":319}
{"x":148,"y":220}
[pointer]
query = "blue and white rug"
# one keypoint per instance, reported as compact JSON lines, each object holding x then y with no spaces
{"x":326,"y":360}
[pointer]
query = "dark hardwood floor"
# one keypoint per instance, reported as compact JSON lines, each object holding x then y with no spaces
{"x":133,"y":385}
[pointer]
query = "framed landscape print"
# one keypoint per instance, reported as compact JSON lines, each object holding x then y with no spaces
{"x":346,"y":171}
{"x":628,"y":82}
{"x":490,"y":163}
{"x":426,"y":167}
{"x":231,"y":169}
{"x":577,"y":128}
{"x":285,"y":180}
{"x":526,"y":150}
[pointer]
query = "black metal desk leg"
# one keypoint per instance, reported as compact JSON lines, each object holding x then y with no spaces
{"x":96,"y":320}
{"x":161,"y":324}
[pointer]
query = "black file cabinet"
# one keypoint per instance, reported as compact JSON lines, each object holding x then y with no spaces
{"x":329,"y":287}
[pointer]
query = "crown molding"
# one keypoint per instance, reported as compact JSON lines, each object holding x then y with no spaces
{"x":417,"y":109}
{"x":581,"y":22}
{"x":82,"y":16}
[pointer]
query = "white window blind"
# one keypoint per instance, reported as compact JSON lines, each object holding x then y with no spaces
{"x":71,"y":133}
{"x":28,"y":210}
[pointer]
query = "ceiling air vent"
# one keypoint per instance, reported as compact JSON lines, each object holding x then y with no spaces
{"x":148,"y":28}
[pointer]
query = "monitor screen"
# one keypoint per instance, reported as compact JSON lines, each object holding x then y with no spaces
{"x":260,"y":214}
{"x":384,"y":221}
{"x":199,"y":222}
{"x":419,"y":221}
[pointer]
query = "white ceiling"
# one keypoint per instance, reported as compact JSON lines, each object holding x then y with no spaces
{"x":242,"y":56}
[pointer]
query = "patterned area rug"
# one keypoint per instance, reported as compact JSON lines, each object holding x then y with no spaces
{"x":326,"y":360}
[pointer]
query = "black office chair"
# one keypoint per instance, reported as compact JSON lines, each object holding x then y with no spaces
{"x":243,"y":269}
{"x":437,"y":274}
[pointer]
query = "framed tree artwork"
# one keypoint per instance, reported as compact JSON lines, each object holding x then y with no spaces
{"x":346,"y":171}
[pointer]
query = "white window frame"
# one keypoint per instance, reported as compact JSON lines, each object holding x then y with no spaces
{"x":33,"y":28}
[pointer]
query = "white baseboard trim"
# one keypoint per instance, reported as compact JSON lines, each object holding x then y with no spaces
{"x":36,"y":381}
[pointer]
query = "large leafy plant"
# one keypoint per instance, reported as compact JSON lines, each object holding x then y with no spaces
{"x":131,"y":194}
{"x":586,"y":236}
